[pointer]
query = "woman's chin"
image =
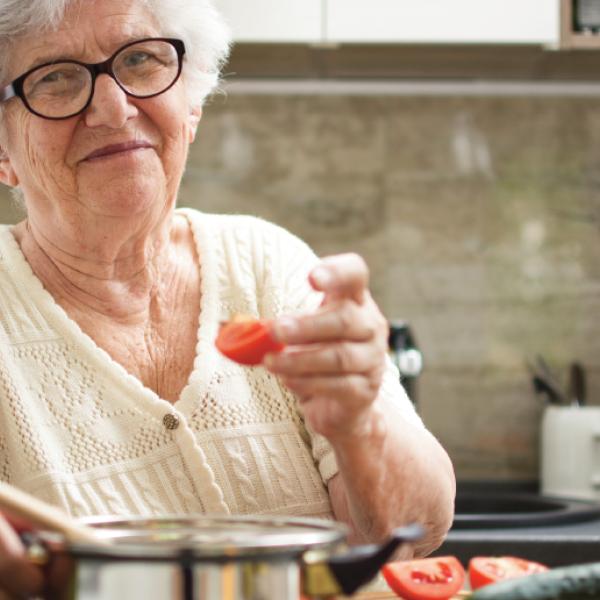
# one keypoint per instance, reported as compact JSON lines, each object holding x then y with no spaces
{"x":124,"y":199}
{"x":129,"y":185}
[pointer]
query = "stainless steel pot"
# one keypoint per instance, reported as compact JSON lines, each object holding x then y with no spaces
{"x":214,"y":558}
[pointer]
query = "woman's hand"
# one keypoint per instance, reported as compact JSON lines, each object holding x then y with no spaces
{"x":392,"y":471}
{"x":18,"y":576}
{"x":335,"y":357}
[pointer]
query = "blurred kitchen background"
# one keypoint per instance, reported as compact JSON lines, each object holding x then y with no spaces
{"x":455,"y":144}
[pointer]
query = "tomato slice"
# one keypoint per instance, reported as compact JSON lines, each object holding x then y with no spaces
{"x":437,"y":578}
{"x":246,"y":340}
{"x":484,"y":570}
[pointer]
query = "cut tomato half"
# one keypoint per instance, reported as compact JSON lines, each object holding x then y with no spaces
{"x":437,"y":578}
{"x":484,"y":570}
{"x":246,"y":341}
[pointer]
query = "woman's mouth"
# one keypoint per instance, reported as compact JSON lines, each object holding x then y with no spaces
{"x":117,"y":149}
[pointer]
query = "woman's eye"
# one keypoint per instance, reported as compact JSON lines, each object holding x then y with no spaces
{"x":56,"y":77}
{"x":59,"y":79}
{"x":136,"y":59}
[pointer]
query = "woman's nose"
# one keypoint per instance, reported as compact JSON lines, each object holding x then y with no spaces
{"x":110,"y":105}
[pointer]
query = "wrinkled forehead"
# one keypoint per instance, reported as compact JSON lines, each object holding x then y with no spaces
{"x":90,"y":31}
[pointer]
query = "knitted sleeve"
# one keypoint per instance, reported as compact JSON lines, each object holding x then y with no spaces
{"x":292,"y":260}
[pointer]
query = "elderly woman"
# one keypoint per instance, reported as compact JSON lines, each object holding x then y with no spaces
{"x":113,"y":398}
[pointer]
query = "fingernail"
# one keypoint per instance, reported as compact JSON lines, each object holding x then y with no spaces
{"x":321,"y":276}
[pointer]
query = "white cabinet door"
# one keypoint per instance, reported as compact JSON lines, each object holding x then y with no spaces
{"x":274,"y":20}
{"x":443,"y":21}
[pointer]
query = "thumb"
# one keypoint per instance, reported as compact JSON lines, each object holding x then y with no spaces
{"x":341,"y":276}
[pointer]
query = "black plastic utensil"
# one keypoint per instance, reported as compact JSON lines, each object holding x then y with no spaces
{"x":542,"y":386}
{"x":577,"y":384}
{"x":545,"y":383}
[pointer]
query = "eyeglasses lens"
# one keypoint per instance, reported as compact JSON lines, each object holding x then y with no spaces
{"x":58,"y":89}
{"x":146,"y":68}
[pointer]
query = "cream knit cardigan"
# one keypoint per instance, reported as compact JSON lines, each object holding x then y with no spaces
{"x":80,"y":432}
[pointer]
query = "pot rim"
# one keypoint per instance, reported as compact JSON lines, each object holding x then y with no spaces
{"x":168,"y":538}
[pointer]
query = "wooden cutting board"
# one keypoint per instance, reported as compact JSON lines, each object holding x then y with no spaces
{"x":390,"y":596}
{"x":371,"y":596}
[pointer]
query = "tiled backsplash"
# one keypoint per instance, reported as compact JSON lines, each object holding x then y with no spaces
{"x":479,"y":218}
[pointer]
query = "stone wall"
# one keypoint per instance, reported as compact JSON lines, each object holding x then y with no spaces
{"x":479,"y":218}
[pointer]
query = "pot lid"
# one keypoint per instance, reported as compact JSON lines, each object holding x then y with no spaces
{"x":210,"y":538}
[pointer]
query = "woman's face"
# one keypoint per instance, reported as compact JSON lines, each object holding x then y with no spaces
{"x":56,"y":163}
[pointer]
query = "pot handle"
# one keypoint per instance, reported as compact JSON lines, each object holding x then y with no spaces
{"x":345,"y":573}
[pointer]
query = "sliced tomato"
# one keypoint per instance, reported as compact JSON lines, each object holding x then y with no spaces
{"x":484,"y":570}
{"x":437,"y":578}
{"x":246,"y":341}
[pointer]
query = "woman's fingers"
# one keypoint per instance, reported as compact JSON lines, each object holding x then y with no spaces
{"x":334,"y":357}
{"x":342,"y":320}
{"x":336,"y":406}
{"x":342,"y":276}
{"x":338,"y":358}
{"x":18,"y":577}
{"x":352,"y":390}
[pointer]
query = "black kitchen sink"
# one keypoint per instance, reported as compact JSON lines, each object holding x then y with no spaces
{"x":482,"y":510}
{"x":495,"y":518}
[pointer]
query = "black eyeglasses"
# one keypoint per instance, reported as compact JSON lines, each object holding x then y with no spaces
{"x":63,"y":89}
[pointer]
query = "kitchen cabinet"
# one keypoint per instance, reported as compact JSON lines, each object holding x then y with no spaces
{"x":282,"y":21}
{"x":394,"y":21}
{"x":441,"y":21}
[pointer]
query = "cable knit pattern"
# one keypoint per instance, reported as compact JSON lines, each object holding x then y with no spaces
{"x":78,"y":431}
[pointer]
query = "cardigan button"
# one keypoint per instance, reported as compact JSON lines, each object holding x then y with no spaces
{"x":171,"y":421}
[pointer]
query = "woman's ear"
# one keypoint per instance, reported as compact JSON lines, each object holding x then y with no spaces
{"x":7,"y":173}
{"x":194,"y":121}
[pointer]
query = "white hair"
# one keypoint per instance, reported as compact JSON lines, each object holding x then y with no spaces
{"x":206,"y":36}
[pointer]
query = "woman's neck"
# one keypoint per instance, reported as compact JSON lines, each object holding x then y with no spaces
{"x":114,"y":276}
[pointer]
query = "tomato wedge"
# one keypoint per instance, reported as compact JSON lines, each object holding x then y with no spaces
{"x":484,"y":570}
{"x":246,"y":340}
{"x":437,"y":578}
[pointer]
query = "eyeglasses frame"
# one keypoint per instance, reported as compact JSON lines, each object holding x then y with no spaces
{"x":15,"y":88}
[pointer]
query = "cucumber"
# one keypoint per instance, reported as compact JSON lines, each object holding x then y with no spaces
{"x":564,"y":583}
